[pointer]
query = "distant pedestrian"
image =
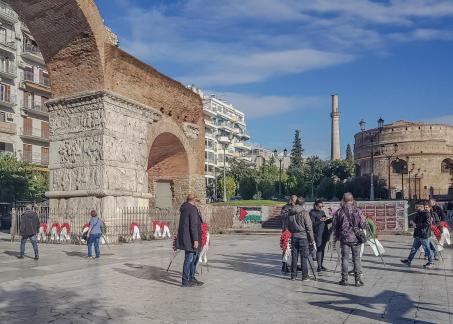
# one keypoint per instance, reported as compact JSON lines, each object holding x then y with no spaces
{"x":301,"y":229}
{"x":348,"y":226}
{"x":422,"y":233}
{"x":438,"y":210}
{"x":29,"y":227}
{"x":189,"y":239}
{"x":321,"y":231}
{"x":94,"y":234}
{"x":450,"y":210}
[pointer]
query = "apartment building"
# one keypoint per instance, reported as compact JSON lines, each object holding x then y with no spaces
{"x":222,"y":121}
{"x":24,"y":88}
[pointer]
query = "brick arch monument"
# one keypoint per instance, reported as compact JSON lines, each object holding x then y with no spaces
{"x":106,"y":112}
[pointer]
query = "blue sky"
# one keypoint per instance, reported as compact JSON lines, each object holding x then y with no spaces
{"x":280,"y":60}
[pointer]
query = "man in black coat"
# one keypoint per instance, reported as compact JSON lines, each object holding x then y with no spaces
{"x":321,"y":231}
{"x":189,"y":240}
{"x":29,"y":227}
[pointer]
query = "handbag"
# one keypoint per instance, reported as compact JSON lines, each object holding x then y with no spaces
{"x":358,"y":232}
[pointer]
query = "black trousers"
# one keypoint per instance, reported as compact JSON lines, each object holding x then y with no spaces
{"x":299,"y":248}
{"x":320,"y":253}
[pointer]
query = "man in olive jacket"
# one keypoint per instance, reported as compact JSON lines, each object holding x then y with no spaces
{"x":29,"y":226}
{"x":189,"y":240}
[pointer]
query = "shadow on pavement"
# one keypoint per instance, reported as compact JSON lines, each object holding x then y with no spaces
{"x":16,"y":254}
{"x":83,"y":254}
{"x":149,"y":272}
{"x":39,"y":304}
{"x":397,"y":305}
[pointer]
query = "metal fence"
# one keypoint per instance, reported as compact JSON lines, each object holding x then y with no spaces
{"x":118,"y":224}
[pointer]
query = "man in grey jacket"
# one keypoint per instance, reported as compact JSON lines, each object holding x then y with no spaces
{"x":29,"y":227}
{"x":300,"y":226}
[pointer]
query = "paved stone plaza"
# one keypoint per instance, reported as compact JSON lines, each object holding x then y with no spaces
{"x":243,"y":285}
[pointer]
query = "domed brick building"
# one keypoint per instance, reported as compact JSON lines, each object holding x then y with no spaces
{"x":416,"y":158}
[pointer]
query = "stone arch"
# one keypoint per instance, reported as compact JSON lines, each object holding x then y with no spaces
{"x":447,"y":166}
{"x":72,"y":38}
{"x":399,"y":166}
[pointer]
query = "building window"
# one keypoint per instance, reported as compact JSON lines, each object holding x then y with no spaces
{"x":5,"y":92}
{"x":447,"y":166}
{"x":6,"y":147}
{"x":28,"y":74}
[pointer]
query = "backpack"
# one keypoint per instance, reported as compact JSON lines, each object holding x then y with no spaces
{"x":293,"y":224}
{"x":358,"y":232}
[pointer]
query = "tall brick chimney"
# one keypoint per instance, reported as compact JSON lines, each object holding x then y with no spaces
{"x":335,"y":153}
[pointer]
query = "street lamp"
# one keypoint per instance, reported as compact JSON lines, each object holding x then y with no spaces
{"x":280,"y":159}
{"x":389,"y":158}
{"x":409,"y":173}
{"x":225,"y":141}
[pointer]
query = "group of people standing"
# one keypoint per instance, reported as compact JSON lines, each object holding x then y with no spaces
{"x":29,"y":228}
{"x":310,"y":232}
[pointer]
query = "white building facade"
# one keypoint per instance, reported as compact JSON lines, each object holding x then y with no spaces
{"x":24,"y":88}
{"x":222,"y":120}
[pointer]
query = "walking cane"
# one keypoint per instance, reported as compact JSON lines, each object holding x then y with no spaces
{"x":312,"y":269}
{"x":105,"y":239}
{"x":175,"y":253}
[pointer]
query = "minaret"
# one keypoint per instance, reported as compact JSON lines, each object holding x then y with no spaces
{"x":335,"y":140}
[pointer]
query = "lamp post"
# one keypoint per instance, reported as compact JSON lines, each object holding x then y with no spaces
{"x":373,"y":135}
{"x":225,"y":141}
{"x":389,"y":159}
{"x":280,"y":159}
{"x":409,"y":173}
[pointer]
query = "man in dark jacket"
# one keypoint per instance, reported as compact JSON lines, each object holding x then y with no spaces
{"x":422,"y":232}
{"x":29,"y":227}
{"x":189,"y":240}
{"x":286,"y":209}
{"x":321,"y":231}
{"x":299,"y":224}
{"x":438,"y":210}
{"x":349,"y":219}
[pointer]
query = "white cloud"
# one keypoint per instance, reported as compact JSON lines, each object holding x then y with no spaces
{"x":256,"y":106}
{"x":246,"y":41}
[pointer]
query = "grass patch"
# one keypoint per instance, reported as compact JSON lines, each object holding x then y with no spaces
{"x":245,"y":203}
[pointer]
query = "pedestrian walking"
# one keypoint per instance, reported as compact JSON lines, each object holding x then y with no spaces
{"x":29,"y":227}
{"x":348,"y":226}
{"x":189,"y":239}
{"x":94,"y":235}
{"x":422,"y":233}
{"x":301,"y":229}
{"x":320,"y":231}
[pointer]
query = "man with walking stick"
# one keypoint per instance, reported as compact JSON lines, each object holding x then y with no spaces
{"x":189,"y":240}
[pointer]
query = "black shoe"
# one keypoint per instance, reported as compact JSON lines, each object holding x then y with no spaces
{"x":292,"y":278}
{"x":20,"y":257}
{"x":351,"y":273}
{"x":319,"y":270}
{"x":429,"y":265}
{"x":406,"y":262}
{"x":436,"y":258}
{"x":306,"y":279}
{"x":323,"y":268}
{"x":36,"y":257}
{"x":359,"y":283}
{"x":197,"y":282}
{"x":188,"y":284}
{"x":343,"y":283}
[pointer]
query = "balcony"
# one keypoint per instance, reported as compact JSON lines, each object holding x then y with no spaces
{"x":32,"y":53}
{"x":9,"y":46}
{"x":8,"y":71}
{"x":210,"y":124}
{"x":7,"y":14}
{"x":35,"y":134}
{"x":7,"y":101}
{"x":40,"y":110}
{"x":31,"y":84}
{"x":242,"y":146}
{"x":209,"y":111}
{"x":8,"y":128}
{"x":39,"y":159}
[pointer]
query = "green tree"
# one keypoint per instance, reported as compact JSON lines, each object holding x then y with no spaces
{"x":326,"y":188}
{"x":247,"y":187}
{"x":314,"y":171}
{"x":296,"y":160}
{"x":349,"y":154}
{"x":20,"y":181}
{"x":342,"y":169}
{"x":230,"y":187}
{"x":239,"y":169}
{"x":268,"y":177}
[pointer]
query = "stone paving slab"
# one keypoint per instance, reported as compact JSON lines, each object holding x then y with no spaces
{"x":129,"y":284}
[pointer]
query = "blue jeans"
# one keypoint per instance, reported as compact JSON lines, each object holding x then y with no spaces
{"x":190,"y":266}
{"x":416,"y":245}
{"x":33,"y":242}
{"x":94,"y":238}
